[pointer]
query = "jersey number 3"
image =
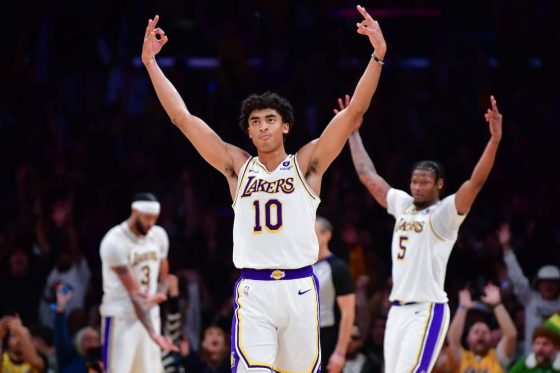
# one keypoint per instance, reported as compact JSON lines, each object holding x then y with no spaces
{"x":403,"y":240}
{"x":272,"y":216}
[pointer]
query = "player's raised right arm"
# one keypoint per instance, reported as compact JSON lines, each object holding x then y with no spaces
{"x":375,"y":184}
{"x":225,"y":157}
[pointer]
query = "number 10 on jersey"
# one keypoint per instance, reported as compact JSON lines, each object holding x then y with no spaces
{"x":272,"y":212}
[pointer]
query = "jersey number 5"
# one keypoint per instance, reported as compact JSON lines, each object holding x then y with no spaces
{"x":272,"y":216}
{"x":403,"y":240}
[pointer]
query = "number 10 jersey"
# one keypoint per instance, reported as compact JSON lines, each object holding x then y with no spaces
{"x":274,"y":225}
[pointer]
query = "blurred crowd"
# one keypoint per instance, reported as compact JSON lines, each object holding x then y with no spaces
{"x":81,"y":131}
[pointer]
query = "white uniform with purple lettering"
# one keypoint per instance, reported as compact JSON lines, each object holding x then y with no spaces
{"x":419,"y":318}
{"x":276,"y":319}
{"x":126,"y":345}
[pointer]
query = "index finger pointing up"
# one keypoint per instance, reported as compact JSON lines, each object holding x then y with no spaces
{"x":364,"y":12}
{"x":494,"y":104}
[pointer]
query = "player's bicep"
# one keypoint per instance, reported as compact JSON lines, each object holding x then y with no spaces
{"x":219,"y":154}
{"x":333,"y":138}
{"x":465,"y":196}
{"x":126,"y":277}
{"x":163,"y":269}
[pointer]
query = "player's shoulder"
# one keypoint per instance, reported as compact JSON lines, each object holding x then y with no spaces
{"x":115,"y":233}
{"x":158,"y":231}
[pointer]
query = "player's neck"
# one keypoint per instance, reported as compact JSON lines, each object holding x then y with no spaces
{"x":272,"y":159}
{"x":132,"y":228}
{"x":425,"y":204}
{"x":323,"y":252}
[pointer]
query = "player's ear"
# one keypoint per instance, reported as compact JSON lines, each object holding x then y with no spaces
{"x":439,"y":184}
{"x":285,"y":128}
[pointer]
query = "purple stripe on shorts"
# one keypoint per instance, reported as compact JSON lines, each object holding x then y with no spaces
{"x":106,"y":339}
{"x":431,"y":340}
{"x":276,"y":274}
{"x":317,"y":365}
{"x":234,"y":355}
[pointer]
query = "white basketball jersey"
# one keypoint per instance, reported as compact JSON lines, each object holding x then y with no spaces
{"x":422,"y":243}
{"x":143,"y":256}
{"x":274,"y":225}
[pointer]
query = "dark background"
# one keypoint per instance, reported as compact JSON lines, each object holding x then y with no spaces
{"x":81,"y":129}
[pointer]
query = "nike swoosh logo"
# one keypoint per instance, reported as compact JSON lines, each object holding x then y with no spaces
{"x":303,"y":292}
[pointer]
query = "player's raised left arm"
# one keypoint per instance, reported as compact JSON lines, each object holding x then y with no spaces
{"x":324,"y":150}
{"x":467,"y":193}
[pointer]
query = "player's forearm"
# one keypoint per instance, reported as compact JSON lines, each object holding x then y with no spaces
{"x":366,"y":87}
{"x":142,"y":310}
{"x":168,"y":96}
{"x":360,"y":158}
{"x":376,"y":185}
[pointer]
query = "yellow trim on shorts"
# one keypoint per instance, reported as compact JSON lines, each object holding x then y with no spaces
{"x":239,"y":334}
{"x":426,"y":327}
{"x":433,"y":230}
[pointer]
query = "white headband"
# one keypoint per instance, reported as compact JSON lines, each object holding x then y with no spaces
{"x":146,"y":207}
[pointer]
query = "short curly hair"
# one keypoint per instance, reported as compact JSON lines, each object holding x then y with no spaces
{"x":267,"y":100}
{"x":435,"y":167}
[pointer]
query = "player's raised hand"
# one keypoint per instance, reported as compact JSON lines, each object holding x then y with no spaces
{"x":494,"y":119}
{"x":164,"y":342}
{"x":154,"y":40}
{"x":370,"y":27}
{"x":491,"y":295}
{"x":465,"y":299}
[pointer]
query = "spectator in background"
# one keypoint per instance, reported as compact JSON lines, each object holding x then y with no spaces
{"x":71,"y":355}
{"x":42,"y":338}
{"x":18,"y":353}
{"x":358,"y":361}
{"x":213,"y":354}
{"x":544,"y":357}
{"x":19,"y":284}
{"x":337,"y":298}
{"x":480,"y":356}
{"x":71,"y":269}
{"x":539,"y":304}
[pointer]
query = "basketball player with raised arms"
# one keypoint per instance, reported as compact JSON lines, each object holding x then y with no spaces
{"x":275,"y":196}
{"x":425,"y":231}
{"x":134,"y":269}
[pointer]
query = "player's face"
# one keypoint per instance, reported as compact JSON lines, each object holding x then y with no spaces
{"x":424,"y":188}
{"x":549,"y":289}
{"x":479,"y":338}
{"x":266,"y":129}
{"x":544,"y":350}
{"x":145,"y":222}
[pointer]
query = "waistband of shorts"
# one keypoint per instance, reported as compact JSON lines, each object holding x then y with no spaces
{"x":276,"y":274}
{"x":402,"y":303}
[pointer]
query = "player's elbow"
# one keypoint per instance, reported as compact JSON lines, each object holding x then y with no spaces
{"x":181,"y":118}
